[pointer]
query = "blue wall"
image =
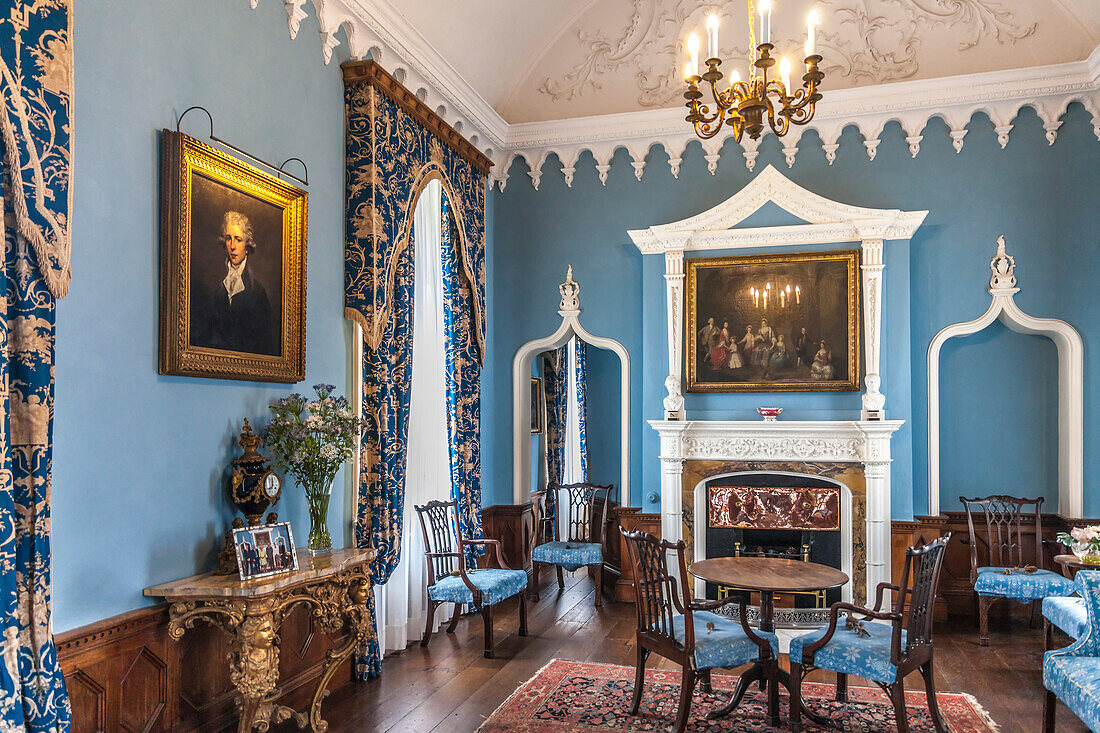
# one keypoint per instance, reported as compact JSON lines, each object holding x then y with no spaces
{"x":137,"y":495}
{"x":998,"y":397}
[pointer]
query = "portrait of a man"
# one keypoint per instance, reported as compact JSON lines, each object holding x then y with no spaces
{"x":234,"y":312}
{"x":232,"y":267}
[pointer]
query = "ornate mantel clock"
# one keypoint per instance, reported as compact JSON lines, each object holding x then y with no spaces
{"x":252,"y":484}
{"x":253,"y":487}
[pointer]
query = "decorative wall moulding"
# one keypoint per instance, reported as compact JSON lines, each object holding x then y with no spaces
{"x":376,"y":28}
{"x":1071,"y":383}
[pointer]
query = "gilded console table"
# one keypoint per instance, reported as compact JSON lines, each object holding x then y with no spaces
{"x":336,"y":586}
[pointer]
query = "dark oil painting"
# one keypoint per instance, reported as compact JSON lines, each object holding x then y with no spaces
{"x":773,"y":323}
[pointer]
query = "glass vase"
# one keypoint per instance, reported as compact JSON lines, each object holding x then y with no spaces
{"x":1086,"y":553}
{"x":320,"y":542}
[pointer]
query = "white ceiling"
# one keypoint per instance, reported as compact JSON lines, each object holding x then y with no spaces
{"x":535,"y":61}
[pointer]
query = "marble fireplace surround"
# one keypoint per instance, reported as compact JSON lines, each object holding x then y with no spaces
{"x":855,"y":454}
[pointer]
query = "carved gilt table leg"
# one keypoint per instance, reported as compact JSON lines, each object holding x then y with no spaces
{"x":345,"y":601}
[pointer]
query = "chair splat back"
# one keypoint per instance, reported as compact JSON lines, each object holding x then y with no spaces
{"x":586,"y":509}
{"x":437,"y":521}
{"x":655,"y":590}
{"x":919,"y":580}
{"x":1005,"y":518}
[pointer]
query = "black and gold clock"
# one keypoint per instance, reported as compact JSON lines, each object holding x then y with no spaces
{"x":252,"y":485}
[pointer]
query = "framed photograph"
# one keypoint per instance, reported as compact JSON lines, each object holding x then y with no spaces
{"x":265,"y":550}
{"x":232,"y":267}
{"x":536,"y":405}
{"x":773,"y":323}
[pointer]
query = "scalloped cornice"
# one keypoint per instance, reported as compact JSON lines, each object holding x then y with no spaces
{"x":376,"y":28}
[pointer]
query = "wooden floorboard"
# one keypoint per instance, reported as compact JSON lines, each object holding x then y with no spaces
{"x":449,"y":687}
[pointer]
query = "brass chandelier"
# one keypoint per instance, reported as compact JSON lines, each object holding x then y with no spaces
{"x":745,"y":104}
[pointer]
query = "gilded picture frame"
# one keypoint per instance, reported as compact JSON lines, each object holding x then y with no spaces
{"x":773,"y":323}
{"x":232,"y":267}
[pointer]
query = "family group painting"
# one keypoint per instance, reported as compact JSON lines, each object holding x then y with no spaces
{"x":773,"y":323}
{"x":233,"y":248}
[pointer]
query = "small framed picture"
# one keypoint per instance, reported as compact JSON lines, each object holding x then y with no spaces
{"x":265,"y":550}
{"x":536,"y":405}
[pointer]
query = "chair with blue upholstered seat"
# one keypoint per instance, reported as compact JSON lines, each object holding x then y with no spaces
{"x":686,"y":631}
{"x":585,"y":508}
{"x":1068,"y":614}
{"x":1004,"y":575}
{"x":882,"y":646}
{"x":1073,"y":674}
{"x":451,"y":581}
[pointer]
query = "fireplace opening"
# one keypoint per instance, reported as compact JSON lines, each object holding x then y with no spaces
{"x":768,"y":514}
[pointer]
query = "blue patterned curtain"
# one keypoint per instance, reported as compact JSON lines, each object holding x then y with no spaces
{"x":390,"y":156}
{"x":36,"y":88}
{"x":463,"y":385}
{"x":581,"y":376}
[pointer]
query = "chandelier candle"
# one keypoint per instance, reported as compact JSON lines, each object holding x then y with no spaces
{"x":765,"y":21}
{"x":812,"y":22}
{"x":712,"y":36}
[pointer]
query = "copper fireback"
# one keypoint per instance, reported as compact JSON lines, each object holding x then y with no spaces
{"x":754,"y":507}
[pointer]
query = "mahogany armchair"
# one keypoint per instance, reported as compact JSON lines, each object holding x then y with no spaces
{"x":881,"y":646}
{"x":686,"y":631}
{"x":450,"y":581}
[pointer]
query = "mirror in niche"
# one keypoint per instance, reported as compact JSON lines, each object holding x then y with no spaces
{"x":573,"y":379}
{"x":581,"y":388}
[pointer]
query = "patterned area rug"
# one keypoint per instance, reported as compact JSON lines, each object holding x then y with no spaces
{"x":579,"y":697}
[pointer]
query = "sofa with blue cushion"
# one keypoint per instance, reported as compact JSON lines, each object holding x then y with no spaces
{"x":1067,"y":614}
{"x":1072,"y":675}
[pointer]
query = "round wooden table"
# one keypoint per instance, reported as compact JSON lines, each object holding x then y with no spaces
{"x":767,"y":576}
{"x":1071,"y":564}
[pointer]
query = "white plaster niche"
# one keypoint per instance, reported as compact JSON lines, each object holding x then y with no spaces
{"x":570,"y":311}
{"x":1071,"y":383}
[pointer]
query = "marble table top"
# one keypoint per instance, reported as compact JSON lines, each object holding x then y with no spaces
{"x":310,"y":568}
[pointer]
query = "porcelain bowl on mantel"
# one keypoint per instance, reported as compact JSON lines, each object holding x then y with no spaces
{"x":769,"y":413}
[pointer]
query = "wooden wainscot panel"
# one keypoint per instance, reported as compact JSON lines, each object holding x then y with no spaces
{"x":125,"y":673}
{"x":513,"y":525}
{"x":631,"y":519}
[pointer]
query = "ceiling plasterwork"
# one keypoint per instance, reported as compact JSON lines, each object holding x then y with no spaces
{"x":641,"y":47}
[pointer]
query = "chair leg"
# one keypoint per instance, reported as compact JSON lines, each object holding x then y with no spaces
{"x":561,"y":578}
{"x":599,"y":585}
{"x":841,"y":687}
{"x":704,"y":681}
{"x":929,"y":675}
{"x":1036,"y":612}
{"x":984,"y":602}
{"x":639,"y":680}
{"x":487,"y":614}
{"x":429,"y":622}
{"x":1050,"y":704}
{"x":897,"y":696}
{"x":687,"y":687}
{"x":1048,"y":635}
{"x":454,"y":619}
{"x":535,"y":568}
{"x":794,"y":721}
{"x":523,"y":614}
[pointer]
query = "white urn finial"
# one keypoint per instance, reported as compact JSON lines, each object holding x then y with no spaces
{"x":570,"y":290}
{"x":1003,"y":266}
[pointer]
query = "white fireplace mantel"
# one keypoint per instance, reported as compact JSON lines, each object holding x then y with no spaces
{"x":866,"y":442}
